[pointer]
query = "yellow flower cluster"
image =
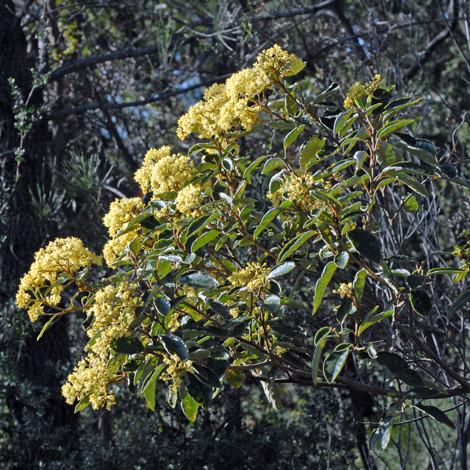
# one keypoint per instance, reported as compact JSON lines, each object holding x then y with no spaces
{"x":176,"y":366}
{"x":113,"y":310}
{"x":297,"y":189}
{"x":253,"y":276}
{"x":162,"y":172}
{"x":345,"y":290}
{"x":63,"y":255}
{"x":237,"y":103}
{"x":188,"y":198}
{"x":276,"y":61}
{"x":121,"y":212}
{"x":358,"y":90}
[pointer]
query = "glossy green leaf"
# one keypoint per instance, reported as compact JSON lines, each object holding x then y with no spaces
{"x":281,"y":270}
{"x":415,"y":280}
{"x":437,"y":414}
{"x":366,"y":244}
{"x":421,"y":302}
{"x":359,"y":283}
{"x":341,"y":259}
{"x":334,"y":363}
{"x":292,"y":136}
{"x":370,"y":320}
{"x":199,"y":279}
{"x":341,"y":120}
{"x":410,"y":204}
{"x":381,"y":435}
{"x":252,"y":166}
{"x":235,"y":378}
{"x":190,"y":407}
{"x":295,"y":244}
{"x":204,"y":239}
{"x":271,"y":165}
{"x":346,"y":308}
{"x":316,"y":360}
{"x":392,"y":127}
{"x":332,"y":89}
{"x":267,"y":219}
{"x":175,"y":345}
{"x":459,"y":302}
{"x":127,"y":345}
{"x":310,"y":150}
{"x":322,"y":284}
{"x":83,"y":403}
{"x":46,"y":326}
{"x":150,"y":388}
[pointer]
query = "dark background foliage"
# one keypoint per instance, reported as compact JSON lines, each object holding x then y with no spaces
{"x":96,"y":84}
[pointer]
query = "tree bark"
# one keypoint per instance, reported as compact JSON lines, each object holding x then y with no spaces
{"x":33,"y":395}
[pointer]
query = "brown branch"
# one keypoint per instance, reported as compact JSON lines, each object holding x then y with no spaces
{"x":432,"y":355}
{"x":90,"y":107}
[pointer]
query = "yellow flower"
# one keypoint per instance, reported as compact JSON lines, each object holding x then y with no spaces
{"x":358,"y":90}
{"x":121,"y":212}
{"x":227,"y":107}
{"x":63,"y":255}
{"x":188,"y":198}
{"x":162,"y":172}
{"x":345,"y":290}
{"x":113,"y":311}
{"x":253,"y":276}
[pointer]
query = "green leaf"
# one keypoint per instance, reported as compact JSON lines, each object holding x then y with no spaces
{"x":133,"y":224}
{"x":359,"y":283}
{"x":419,"y":393}
{"x":346,"y":308}
{"x":393,"y":126}
{"x":444,"y":270}
{"x":310,"y":150}
{"x":46,"y":326}
{"x":459,"y":302}
{"x":366,"y":244}
{"x":321,"y":334}
{"x":204,"y":239}
{"x":267,"y":219}
{"x":399,"y":368}
{"x":333,"y":88}
{"x":292,"y":135}
{"x":252,"y":166}
{"x":190,"y":407}
{"x":341,"y":120}
{"x":322,"y":284}
{"x":421,"y":302}
{"x":372,"y":319}
{"x":281,"y":270}
{"x":334,"y":363}
{"x":271,"y":165}
{"x":381,"y":435}
{"x":415,"y":280}
{"x":410,"y":204}
{"x":199,"y":279}
{"x":295,"y":244}
{"x":412,"y":183}
{"x":437,"y":414}
{"x":127,"y":345}
{"x":175,"y":345}
{"x":162,"y":305}
{"x":83,"y":403}
{"x":235,"y":378}
{"x":341,"y":259}
{"x":316,"y":359}
{"x":150,"y":388}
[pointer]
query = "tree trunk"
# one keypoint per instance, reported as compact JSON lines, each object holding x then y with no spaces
{"x":39,"y":414}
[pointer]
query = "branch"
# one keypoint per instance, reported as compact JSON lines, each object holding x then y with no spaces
{"x":432,"y":355}
{"x":425,"y":55}
{"x":81,"y":64}
{"x":162,"y":97}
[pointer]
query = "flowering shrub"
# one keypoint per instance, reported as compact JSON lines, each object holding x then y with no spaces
{"x":206,"y":273}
